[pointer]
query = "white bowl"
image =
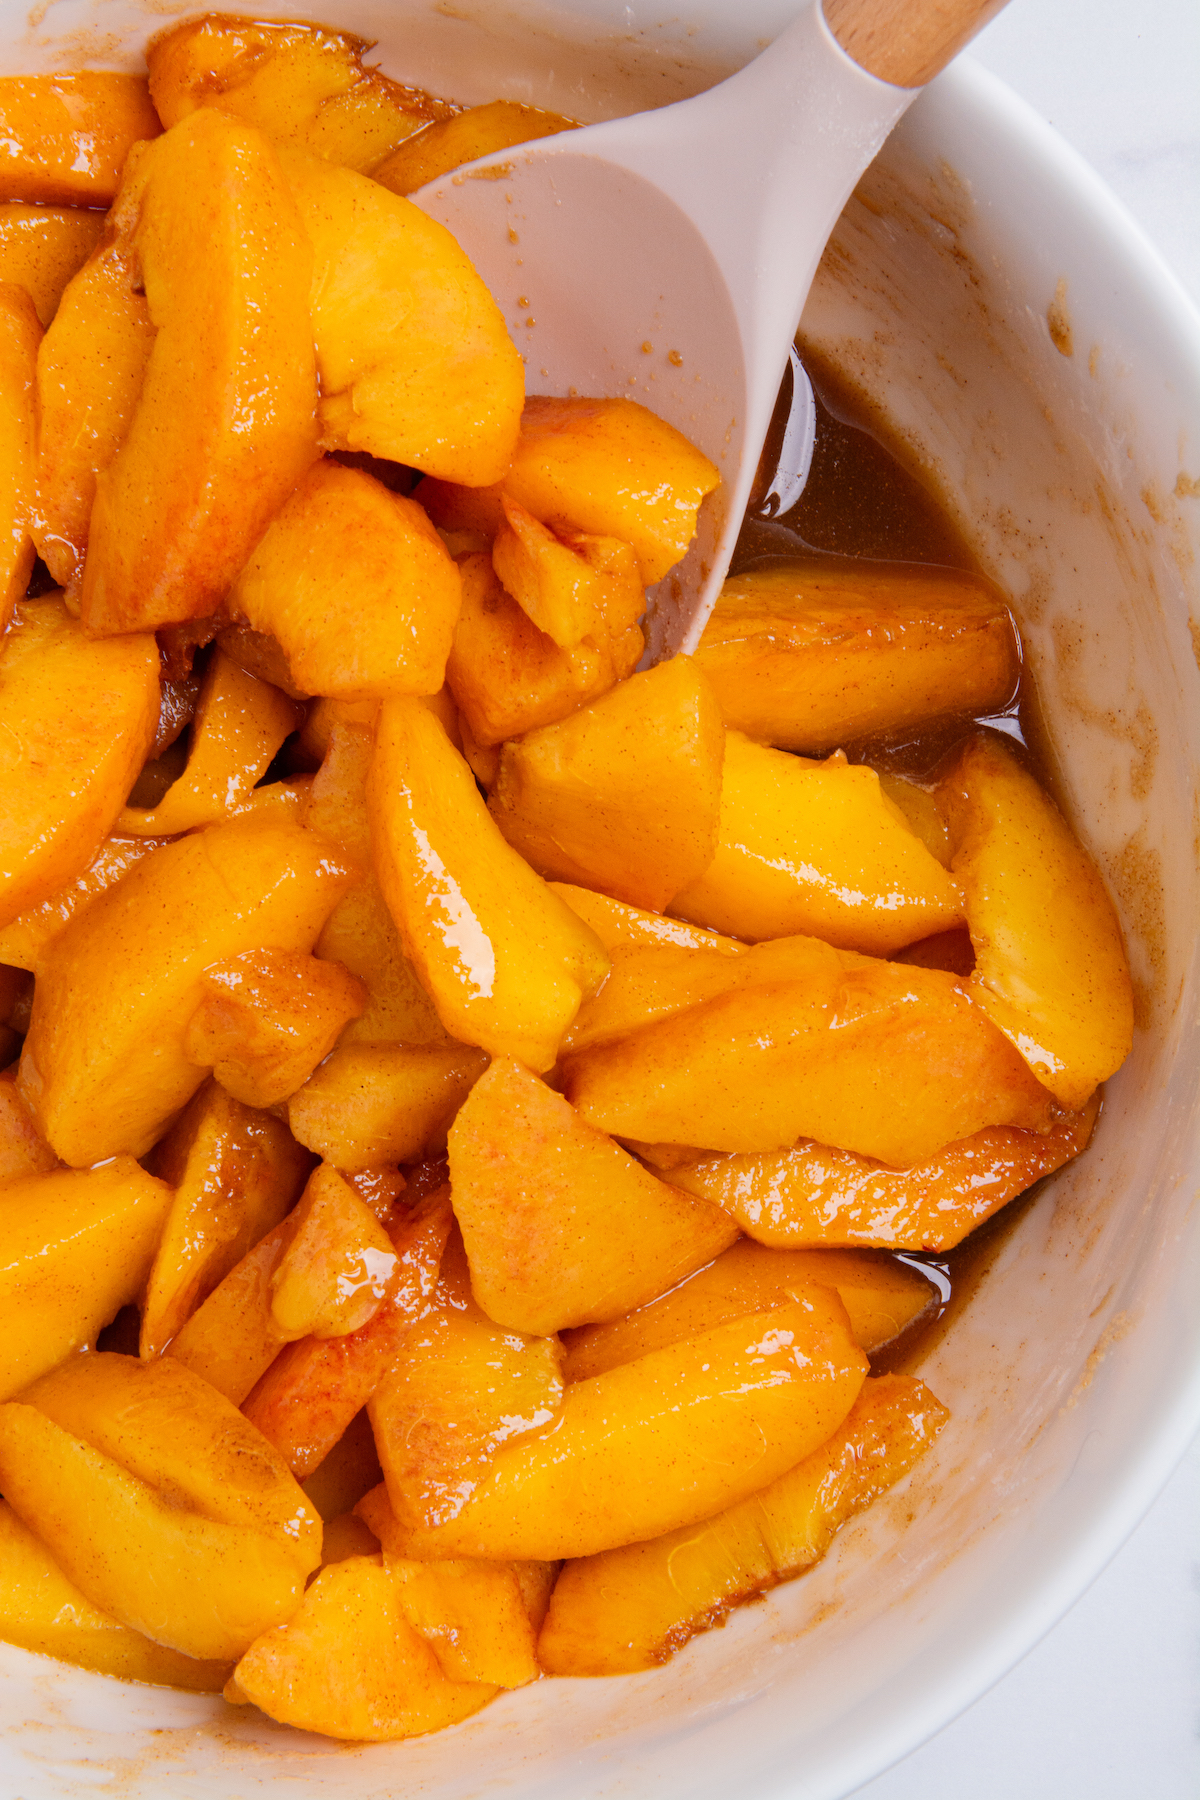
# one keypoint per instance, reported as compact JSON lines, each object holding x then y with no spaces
{"x":1074,"y":1374}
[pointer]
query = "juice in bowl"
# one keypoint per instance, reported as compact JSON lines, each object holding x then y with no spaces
{"x":1067,"y":1376}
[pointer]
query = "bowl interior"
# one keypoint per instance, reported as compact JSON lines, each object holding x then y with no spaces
{"x":1071,"y":462}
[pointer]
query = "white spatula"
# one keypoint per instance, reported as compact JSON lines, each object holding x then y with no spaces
{"x":668,"y":256}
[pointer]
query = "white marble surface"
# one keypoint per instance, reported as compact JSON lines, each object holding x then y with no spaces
{"x":1107,"y":1707}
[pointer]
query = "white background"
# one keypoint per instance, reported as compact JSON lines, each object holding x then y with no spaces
{"x":1108,"y":1706}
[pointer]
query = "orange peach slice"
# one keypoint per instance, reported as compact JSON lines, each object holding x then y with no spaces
{"x":104,"y":1067}
{"x":357,"y":587}
{"x":448,"y":143}
{"x":617,"y":924}
{"x":76,"y":720}
{"x":77,"y":1245}
{"x":66,"y":137}
{"x":351,"y":1666}
{"x":816,"y":848}
{"x":266,"y":1018}
{"x":221,"y":434}
{"x":562,"y":1226}
{"x":235,"y":1173}
{"x":415,"y":360}
{"x":506,"y":963}
{"x":633,"y":1607}
{"x":669,"y":1439}
{"x":383,"y":1103}
{"x":1050,"y":966}
{"x":611,"y":467}
{"x":42,"y":247}
{"x":624,"y":795}
{"x":812,"y":1194}
{"x":160,"y":1501}
{"x":812,"y":655}
{"x":335,"y":1272}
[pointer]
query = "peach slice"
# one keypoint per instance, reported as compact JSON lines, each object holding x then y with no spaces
{"x":633,"y":1607}
{"x":889,"y":1061}
{"x":160,"y":1501}
{"x":562,"y":1226}
{"x":266,"y":1018}
{"x":613,"y":468}
{"x":577,"y":590}
{"x":300,"y":84}
{"x":42,"y":247}
{"x":617,"y":924}
{"x":811,"y":655}
{"x":66,"y":137}
{"x":240,"y":723}
{"x":1050,"y":967}
{"x":356,"y":586}
{"x":76,"y":720}
{"x":41,"y":1610}
{"x":104,"y":1068}
{"x":816,"y":848}
{"x":383,"y":1103}
{"x":624,"y":795}
{"x":812,"y":1194}
{"x":225,"y":424}
{"x":415,"y":360}
{"x":507,"y":677}
{"x":338,"y":1265}
{"x":20,"y":334}
{"x":25,"y":941}
{"x":463,"y":1387}
{"x":448,"y":143}
{"x":23,"y":1149}
{"x":313,"y":1389}
{"x":669,"y":1439}
{"x":235,"y":1173}
{"x":90,"y":369}
{"x":351,"y":1666}
{"x":506,"y":963}
{"x":232,"y":1338}
{"x":881,"y":1296}
{"x":77,"y":1245}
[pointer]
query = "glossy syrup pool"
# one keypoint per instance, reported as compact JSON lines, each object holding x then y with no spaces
{"x":862,"y":500}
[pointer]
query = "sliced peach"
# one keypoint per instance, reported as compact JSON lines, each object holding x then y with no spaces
{"x":881,"y":1296}
{"x":104,"y":1067}
{"x":669,"y":1439}
{"x":220,"y":438}
{"x":473,"y":1616}
{"x":299,"y":83}
{"x":76,"y":720}
{"x":1050,"y":966}
{"x":507,"y":677}
{"x":42,"y":247}
{"x":812,"y":1194}
{"x":415,"y":361}
{"x":379,"y":1103}
{"x":235,"y":1173}
{"x":309,"y":1395}
{"x":562,"y":1226}
{"x":577,"y":590}
{"x":266,"y":1018}
{"x":351,"y":1666}
{"x":40,"y":1609}
{"x":335,"y":1272}
{"x":20,"y":334}
{"x":611,"y":467}
{"x":66,"y":137}
{"x":160,"y":1501}
{"x":90,"y":369}
{"x":77,"y":1246}
{"x":26,"y":939}
{"x":357,"y":587}
{"x":617,"y":924}
{"x":812,"y":655}
{"x":624,"y":795}
{"x":633,"y":1607}
{"x":232,"y":1338}
{"x":816,"y":848}
{"x":23,"y":1149}
{"x":463,"y":1388}
{"x":889,"y":1061}
{"x":448,"y":143}
{"x":506,"y":963}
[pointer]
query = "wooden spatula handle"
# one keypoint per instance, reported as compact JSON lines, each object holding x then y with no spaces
{"x":906,"y":41}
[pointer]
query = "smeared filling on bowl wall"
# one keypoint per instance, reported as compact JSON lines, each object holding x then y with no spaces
{"x":476,"y":1113}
